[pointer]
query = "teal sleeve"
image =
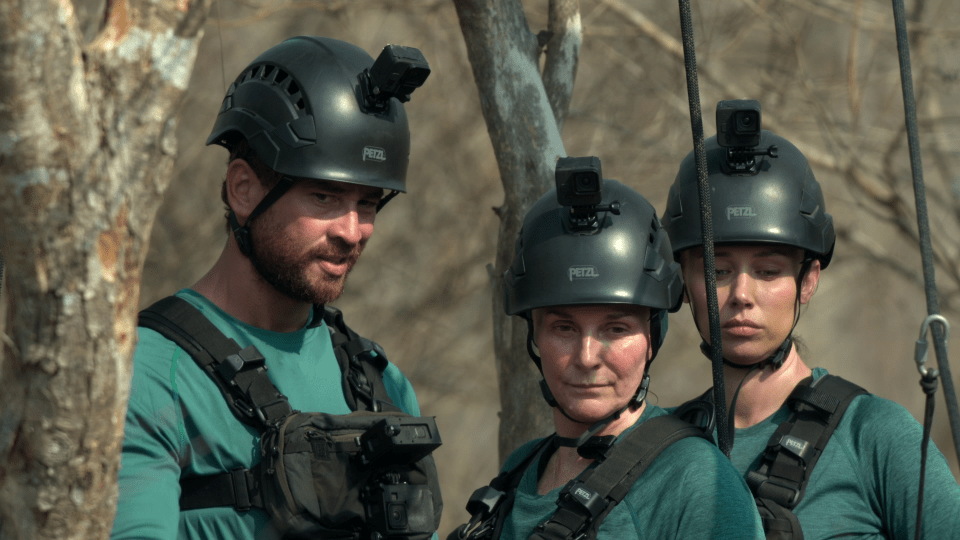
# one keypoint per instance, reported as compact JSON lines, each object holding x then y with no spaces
{"x":692,"y":492}
{"x":887,"y":440}
{"x":149,"y":489}
{"x":400,"y":390}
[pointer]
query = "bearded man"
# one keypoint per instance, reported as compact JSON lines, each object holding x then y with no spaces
{"x":317,"y":146}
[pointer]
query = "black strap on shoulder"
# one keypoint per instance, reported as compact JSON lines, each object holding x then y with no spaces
{"x":362,"y":362}
{"x":795,"y":447}
{"x":241,"y":375}
{"x":585,"y":501}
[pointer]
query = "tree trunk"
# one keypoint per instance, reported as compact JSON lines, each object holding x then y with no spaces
{"x":86,"y":147}
{"x":524,"y":114}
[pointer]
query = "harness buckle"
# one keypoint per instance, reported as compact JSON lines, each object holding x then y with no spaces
{"x":795,"y":446}
{"x":577,"y":494}
{"x":484,"y":500}
{"x":765,"y":487}
{"x":238,"y":477}
{"x":264,"y":415}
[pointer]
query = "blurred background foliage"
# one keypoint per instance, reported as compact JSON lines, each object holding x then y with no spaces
{"x":825,"y":72}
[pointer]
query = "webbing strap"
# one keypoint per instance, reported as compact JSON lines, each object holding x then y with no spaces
{"x":795,"y":447}
{"x":239,"y":488}
{"x":584,"y":502}
{"x":362,"y":362}
{"x":239,"y":374}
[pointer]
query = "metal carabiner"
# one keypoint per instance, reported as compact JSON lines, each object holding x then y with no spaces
{"x":921,"y":350}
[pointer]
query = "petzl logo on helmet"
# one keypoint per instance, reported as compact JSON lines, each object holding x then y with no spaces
{"x":372,"y":153}
{"x":582,"y":272}
{"x":740,"y":211}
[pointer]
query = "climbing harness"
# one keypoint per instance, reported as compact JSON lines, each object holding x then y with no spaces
{"x":585,"y":501}
{"x":724,"y":434}
{"x":378,"y":458}
{"x":780,"y":480}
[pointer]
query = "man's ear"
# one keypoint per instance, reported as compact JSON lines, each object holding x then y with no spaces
{"x":810,"y":282}
{"x":244,"y":190}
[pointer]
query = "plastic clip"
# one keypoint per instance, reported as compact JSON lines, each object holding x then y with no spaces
{"x":921,"y":349}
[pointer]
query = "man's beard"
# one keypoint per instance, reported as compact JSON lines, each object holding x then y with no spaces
{"x":278,"y":262}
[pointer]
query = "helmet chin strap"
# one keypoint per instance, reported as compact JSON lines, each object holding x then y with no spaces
{"x":588,"y":445}
{"x":242,"y":232}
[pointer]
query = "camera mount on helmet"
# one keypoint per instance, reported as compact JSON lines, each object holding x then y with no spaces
{"x":396,"y":73}
{"x":738,"y":130}
{"x":579,"y":187}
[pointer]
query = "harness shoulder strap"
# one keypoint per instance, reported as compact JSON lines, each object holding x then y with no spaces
{"x":585,"y":501}
{"x":362,"y":362}
{"x":795,"y":447}
{"x":241,"y":375}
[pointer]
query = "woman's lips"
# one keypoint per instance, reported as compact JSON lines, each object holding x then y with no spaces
{"x":742,"y":328}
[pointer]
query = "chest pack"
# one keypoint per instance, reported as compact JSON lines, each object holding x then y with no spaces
{"x":780,"y":480}
{"x":585,"y":501}
{"x":364,"y":475}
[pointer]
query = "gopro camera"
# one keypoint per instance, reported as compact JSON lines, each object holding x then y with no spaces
{"x":397,"y":72}
{"x":578,"y":181}
{"x":738,"y":123}
{"x":399,"y":440}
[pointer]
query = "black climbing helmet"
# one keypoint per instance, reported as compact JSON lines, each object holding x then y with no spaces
{"x":303,"y":106}
{"x":625,"y":258}
{"x":780,"y":204}
{"x":314,"y":107}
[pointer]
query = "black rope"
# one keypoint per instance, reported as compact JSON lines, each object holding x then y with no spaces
{"x":929,"y":385}
{"x":923,"y":222}
{"x":724,"y":434}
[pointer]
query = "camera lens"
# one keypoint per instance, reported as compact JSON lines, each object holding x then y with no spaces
{"x":746,"y":122}
{"x":587,"y":183}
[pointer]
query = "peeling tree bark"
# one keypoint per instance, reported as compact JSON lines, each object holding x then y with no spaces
{"x":86,"y":147}
{"x":524,"y":112}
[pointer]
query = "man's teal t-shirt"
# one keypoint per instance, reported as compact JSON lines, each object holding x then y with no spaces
{"x":690,"y":492}
{"x":177,"y":420}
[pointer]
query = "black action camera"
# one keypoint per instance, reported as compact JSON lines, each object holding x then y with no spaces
{"x":399,"y":440}
{"x":397,"y":510}
{"x":578,"y":181}
{"x":397,"y":72}
{"x":738,"y":123}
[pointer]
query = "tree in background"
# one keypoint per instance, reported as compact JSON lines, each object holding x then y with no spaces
{"x":90,"y":97}
{"x":524,"y":111}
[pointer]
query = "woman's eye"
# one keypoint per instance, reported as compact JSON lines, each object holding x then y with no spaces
{"x":770,"y":272}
